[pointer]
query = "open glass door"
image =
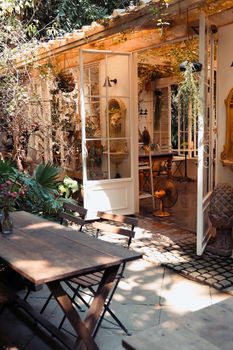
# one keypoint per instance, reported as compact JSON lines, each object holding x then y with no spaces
{"x":206,"y":137}
{"x":105,"y":96}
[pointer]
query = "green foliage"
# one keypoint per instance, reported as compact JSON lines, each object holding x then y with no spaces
{"x":53,"y":17}
{"x":7,"y":171}
{"x":47,"y":176}
{"x":41,"y":190}
{"x":187,"y":96}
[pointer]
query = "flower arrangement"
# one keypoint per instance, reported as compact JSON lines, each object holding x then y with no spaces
{"x":9,"y":193}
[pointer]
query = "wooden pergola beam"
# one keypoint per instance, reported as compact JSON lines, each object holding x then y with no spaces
{"x":133,"y":25}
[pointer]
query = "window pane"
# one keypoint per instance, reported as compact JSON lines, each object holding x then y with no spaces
{"x":97,"y":166}
{"x":119,"y":159}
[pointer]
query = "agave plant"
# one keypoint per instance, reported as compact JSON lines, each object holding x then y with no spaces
{"x":8,"y":170}
{"x":42,"y":196}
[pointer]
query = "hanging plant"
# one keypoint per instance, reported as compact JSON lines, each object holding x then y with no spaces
{"x":65,"y":81}
{"x":188,"y":91}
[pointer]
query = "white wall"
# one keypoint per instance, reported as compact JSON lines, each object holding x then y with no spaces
{"x":224,"y":85}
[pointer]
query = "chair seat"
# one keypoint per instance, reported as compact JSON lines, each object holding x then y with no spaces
{"x":90,"y":280}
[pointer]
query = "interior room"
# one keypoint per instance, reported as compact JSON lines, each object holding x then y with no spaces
{"x":172,"y":127}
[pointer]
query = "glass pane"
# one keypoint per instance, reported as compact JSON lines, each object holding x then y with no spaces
{"x":119,"y":159}
{"x":95,"y":109}
{"x":91,"y":80}
{"x":97,"y":165}
{"x":118,"y":118}
{"x":106,"y":90}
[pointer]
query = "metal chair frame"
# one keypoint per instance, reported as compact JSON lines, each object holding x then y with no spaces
{"x":90,"y":281}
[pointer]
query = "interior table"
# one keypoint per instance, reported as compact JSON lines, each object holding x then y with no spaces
{"x":157,"y":157}
{"x":45,"y":252}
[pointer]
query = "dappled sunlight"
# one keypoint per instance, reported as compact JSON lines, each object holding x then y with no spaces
{"x":42,"y":225}
{"x":138,"y":265}
{"x":187,"y":295}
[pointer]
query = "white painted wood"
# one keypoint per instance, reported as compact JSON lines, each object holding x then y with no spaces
{"x":202,"y":48}
{"x":206,"y":181}
{"x":134,"y":127}
{"x":114,"y":195}
{"x":83,"y":121}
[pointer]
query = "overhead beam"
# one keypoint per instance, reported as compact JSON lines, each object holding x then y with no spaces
{"x":137,"y":19}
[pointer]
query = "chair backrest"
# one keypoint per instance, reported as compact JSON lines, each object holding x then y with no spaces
{"x":110,"y":223}
{"x":73,"y":213}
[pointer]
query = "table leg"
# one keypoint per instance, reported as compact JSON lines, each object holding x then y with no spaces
{"x":85,"y":328}
{"x":72,"y":315}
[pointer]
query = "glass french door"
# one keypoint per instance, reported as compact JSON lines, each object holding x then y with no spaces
{"x":106,"y":103}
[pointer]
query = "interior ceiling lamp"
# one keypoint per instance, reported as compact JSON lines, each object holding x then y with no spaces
{"x":108,"y":82}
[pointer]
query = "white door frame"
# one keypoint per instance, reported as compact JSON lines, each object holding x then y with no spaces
{"x":101,"y":194}
{"x":205,"y":147}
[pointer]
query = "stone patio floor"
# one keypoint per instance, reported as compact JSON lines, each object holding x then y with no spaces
{"x":148,"y":295}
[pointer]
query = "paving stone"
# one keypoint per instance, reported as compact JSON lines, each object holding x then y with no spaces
{"x":201,"y":278}
{"x":194,"y":274}
{"x":227,"y":274}
{"x":219,"y":278}
{"x":225,"y":283}
{"x":211,"y":281}
{"x":218,"y":286}
{"x":191,"y":269}
{"x":213,"y":273}
{"x":206,"y":275}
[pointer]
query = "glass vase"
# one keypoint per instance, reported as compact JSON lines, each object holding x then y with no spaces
{"x":6,"y":222}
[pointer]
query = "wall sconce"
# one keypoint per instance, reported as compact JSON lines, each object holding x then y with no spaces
{"x":108,"y":82}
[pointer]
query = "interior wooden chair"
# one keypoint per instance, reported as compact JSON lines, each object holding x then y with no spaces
{"x":108,"y":224}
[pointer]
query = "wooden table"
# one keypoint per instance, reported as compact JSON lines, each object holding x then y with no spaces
{"x":206,"y":329}
{"x":45,"y":252}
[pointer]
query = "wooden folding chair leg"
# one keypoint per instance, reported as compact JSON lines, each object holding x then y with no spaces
{"x":107,"y":308}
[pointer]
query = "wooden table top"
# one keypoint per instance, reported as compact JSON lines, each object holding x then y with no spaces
{"x":156,"y":154}
{"x":206,"y":329}
{"x":43,"y":251}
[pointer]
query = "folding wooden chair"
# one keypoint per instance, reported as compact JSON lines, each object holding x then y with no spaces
{"x":109,"y":224}
{"x":76,"y":214}
{"x":71,"y":213}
